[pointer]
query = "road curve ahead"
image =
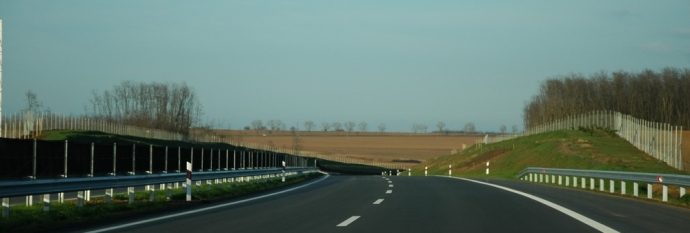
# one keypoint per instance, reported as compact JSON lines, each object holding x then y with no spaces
{"x":419,"y":204}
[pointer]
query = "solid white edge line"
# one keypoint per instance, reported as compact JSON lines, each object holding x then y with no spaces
{"x":378,"y":201}
{"x":202,"y":209}
{"x":348,"y":221}
{"x":573,"y":214}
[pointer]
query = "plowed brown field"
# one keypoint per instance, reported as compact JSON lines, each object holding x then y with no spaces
{"x":375,"y":146}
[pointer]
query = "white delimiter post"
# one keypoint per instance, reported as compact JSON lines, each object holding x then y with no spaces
{"x":425,"y":170}
{"x":487,"y":168}
{"x":189,"y":181}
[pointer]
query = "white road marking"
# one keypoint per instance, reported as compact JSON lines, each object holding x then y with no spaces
{"x":389,"y":191}
{"x":390,"y":181}
{"x":390,"y":185}
{"x":573,"y":214}
{"x":203,"y":209}
{"x":348,"y":221}
{"x":378,"y":201}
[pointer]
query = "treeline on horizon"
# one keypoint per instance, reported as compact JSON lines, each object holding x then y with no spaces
{"x":662,"y":96}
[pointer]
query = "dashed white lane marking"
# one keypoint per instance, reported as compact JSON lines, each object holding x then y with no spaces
{"x":203,"y":209}
{"x":378,"y":201}
{"x":573,"y":214}
{"x":390,"y":185}
{"x":390,"y":181}
{"x":389,"y":191}
{"x":348,"y":221}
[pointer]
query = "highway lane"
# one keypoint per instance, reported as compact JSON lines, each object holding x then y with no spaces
{"x":418,"y":204}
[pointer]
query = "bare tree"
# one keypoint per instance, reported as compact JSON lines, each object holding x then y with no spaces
{"x":349,"y":126}
{"x":337,"y":126}
{"x":440,"y":125}
{"x":257,"y":125}
{"x":503,"y":128}
{"x":469,"y":128}
{"x":382,"y":128}
{"x":33,"y":105}
{"x":172,"y":107}
{"x":308,"y":125}
{"x":325,"y":126}
{"x":653,"y":96}
{"x":419,"y":128}
{"x":272,"y":125}
{"x":362,"y":127}
{"x":515,"y":129}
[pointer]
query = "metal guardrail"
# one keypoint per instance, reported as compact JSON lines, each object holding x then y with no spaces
{"x":44,"y":186}
{"x":655,"y":178}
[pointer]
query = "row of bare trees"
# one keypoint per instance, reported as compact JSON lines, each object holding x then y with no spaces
{"x":168,"y":106}
{"x":654,"y":96}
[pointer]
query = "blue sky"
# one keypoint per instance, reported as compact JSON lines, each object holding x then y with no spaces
{"x":394,"y":62}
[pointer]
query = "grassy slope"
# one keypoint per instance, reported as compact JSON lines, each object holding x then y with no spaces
{"x":561,"y":149}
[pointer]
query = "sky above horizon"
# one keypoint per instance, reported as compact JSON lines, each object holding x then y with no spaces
{"x":394,"y":62}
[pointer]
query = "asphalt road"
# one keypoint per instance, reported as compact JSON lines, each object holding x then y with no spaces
{"x":417,"y":204}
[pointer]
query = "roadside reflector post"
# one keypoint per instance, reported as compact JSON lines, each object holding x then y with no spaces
{"x":189,"y":181}
{"x":283,"y":171}
{"x":409,"y":173}
{"x":425,"y":172}
{"x":487,"y":168}
{"x":450,"y":171}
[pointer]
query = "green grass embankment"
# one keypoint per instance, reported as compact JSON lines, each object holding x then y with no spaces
{"x":572,"y":149}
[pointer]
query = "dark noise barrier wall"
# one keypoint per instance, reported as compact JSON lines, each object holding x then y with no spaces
{"x":119,"y":158}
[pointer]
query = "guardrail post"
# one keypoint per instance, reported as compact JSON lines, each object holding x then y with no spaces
{"x":560,"y":180}
{"x":130,"y":191}
{"x":108,"y":195}
{"x":636,"y":188}
{"x":682,"y":192}
{"x":665,"y":193}
{"x":5,"y":207}
{"x":152,"y":193}
{"x":623,"y":187}
{"x":612,"y":186}
{"x":169,"y":188}
{"x":567,"y":181}
{"x":80,"y":198}
{"x":601,"y":185}
{"x":584,"y":182}
{"x":574,"y":182}
{"x":46,"y":202}
{"x":591,"y":183}
{"x":649,"y":191}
